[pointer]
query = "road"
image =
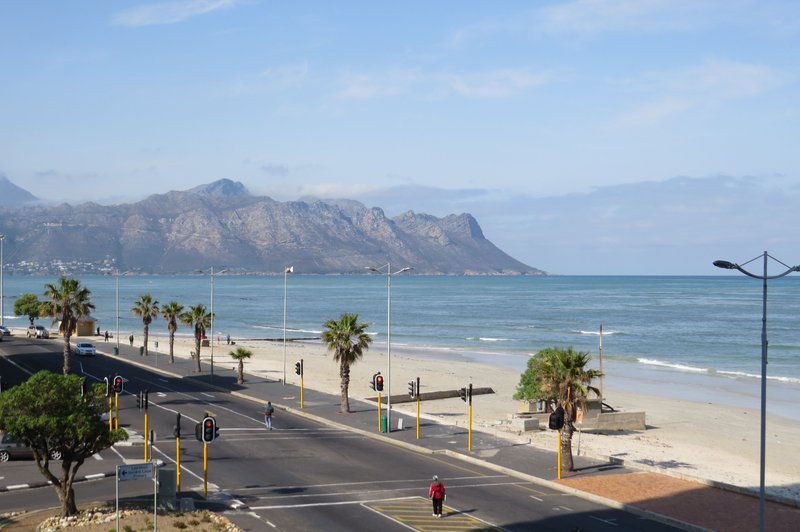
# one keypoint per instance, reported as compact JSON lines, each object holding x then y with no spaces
{"x":303,"y":475}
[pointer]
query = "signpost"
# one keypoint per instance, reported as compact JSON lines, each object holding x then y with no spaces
{"x":144,"y":471}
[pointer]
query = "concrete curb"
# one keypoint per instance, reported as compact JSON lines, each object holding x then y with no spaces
{"x":664,"y":519}
{"x":32,"y":485}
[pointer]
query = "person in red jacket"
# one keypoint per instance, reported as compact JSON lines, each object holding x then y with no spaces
{"x":437,"y":495}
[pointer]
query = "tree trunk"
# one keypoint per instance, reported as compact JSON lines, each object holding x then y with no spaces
{"x":566,"y":446}
{"x":197,"y":350}
{"x":171,"y":345}
{"x":241,"y":372}
{"x":146,"y":335}
{"x":67,"y":352}
{"x":344,"y":373}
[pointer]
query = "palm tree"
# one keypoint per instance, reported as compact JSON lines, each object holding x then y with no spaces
{"x":198,"y":318}
{"x":347,"y":340}
{"x":146,"y":308}
{"x":171,"y":312}
{"x":564,"y":377}
{"x":239,"y":355}
{"x":67,"y":301}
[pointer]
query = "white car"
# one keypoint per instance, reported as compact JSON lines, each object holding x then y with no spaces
{"x":5,"y":331}
{"x":85,"y":349}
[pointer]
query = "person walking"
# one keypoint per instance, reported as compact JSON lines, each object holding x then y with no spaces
{"x":130,"y":339}
{"x":228,"y":339}
{"x":106,"y":336}
{"x":437,"y":495}
{"x":268,"y":411}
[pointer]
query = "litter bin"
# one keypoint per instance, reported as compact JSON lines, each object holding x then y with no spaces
{"x":384,"y":424}
{"x":115,"y":350}
{"x":141,"y":350}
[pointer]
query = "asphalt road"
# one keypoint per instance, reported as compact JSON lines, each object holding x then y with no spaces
{"x":303,"y":475}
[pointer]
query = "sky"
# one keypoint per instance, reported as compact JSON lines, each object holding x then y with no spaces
{"x":550,"y":121}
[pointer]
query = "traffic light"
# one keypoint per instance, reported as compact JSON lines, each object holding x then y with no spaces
{"x":412,"y":389}
{"x":379,"y":382}
{"x":198,"y":431}
{"x":463,"y":393}
{"x":109,"y":386}
{"x":118,"y":384}
{"x":298,"y":367}
{"x":210,"y":430}
{"x":176,"y":430}
{"x":142,"y":400}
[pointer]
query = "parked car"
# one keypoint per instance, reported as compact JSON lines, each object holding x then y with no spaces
{"x":37,"y":331}
{"x":11,"y":448}
{"x":85,"y":349}
{"x":5,"y":330}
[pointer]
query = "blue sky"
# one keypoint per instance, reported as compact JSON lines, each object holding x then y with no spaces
{"x":551,"y":102}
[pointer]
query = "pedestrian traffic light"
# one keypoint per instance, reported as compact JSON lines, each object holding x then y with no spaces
{"x":379,"y":382}
{"x":198,"y":431}
{"x":109,"y":386}
{"x":176,"y":430}
{"x":462,"y":392}
{"x":298,"y":367}
{"x":139,"y":400}
{"x":412,"y":389}
{"x":210,"y":429}
{"x":118,"y":384}
{"x":556,"y":419}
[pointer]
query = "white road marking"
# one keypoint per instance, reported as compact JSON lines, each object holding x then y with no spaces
{"x":606,"y":521}
{"x":390,"y":518}
{"x":267,"y":438}
{"x":373,"y":482}
{"x":17,"y":486}
{"x":415,"y":488}
{"x":198,"y":477}
{"x":207,"y":394}
{"x":118,"y":454}
{"x":161,"y":394}
{"x":96,"y":475}
{"x":340,"y":503}
{"x":536,"y":498}
{"x":97,"y":456}
{"x":17,"y":365}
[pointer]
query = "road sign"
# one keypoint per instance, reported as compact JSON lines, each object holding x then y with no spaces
{"x":135,"y":472}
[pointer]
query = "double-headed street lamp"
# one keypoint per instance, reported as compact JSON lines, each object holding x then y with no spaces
{"x":387,"y":269}
{"x":286,"y":272}
{"x":726,"y":265}
{"x":211,"y":343}
{"x":117,"y":275}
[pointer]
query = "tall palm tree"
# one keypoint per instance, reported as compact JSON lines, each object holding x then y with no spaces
{"x":67,"y":301}
{"x":564,"y":377}
{"x":198,"y":318}
{"x":347,"y":340}
{"x":171,"y":312}
{"x":146,"y":308}
{"x":240,"y":355}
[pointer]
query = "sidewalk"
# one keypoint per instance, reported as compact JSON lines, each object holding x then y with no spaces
{"x":606,"y":482}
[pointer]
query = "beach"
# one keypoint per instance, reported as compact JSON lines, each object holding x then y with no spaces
{"x":698,"y":439}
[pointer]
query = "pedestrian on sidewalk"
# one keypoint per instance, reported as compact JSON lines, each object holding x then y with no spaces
{"x":130,"y":339}
{"x":437,"y":495}
{"x":268,"y":411}
{"x":106,"y":336}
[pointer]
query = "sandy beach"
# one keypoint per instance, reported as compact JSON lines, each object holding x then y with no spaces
{"x":699,"y":439}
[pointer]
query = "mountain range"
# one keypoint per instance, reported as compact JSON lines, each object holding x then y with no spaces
{"x":222,"y":224}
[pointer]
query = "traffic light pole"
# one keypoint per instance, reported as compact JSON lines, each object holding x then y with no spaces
{"x":417,"y":415}
{"x":379,"y":411}
{"x":469,"y":437}
{"x":205,"y":469}
{"x":302,"y":383}
{"x":110,"y":414}
{"x":178,"y":464}
{"x":146,"y":427}
{"x":116,"y":411}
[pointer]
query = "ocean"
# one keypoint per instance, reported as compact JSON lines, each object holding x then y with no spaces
{"x":678,"y":327}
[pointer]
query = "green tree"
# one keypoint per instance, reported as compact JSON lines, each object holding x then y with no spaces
{"x":198,"y":318}
{"x":147,"y":309}
{"x":240,"y":355}
{"x":529,"y":387}
{"x":48,"y":413}
{"x":563,"y":376}
{"x":346,"y":339}
{"x":171,"y":312}
{"x":67,"y":301}
{"x":28,"y":305}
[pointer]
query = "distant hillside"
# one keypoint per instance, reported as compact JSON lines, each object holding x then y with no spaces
{"x":13,"y":196}
{"x":222,"y":224}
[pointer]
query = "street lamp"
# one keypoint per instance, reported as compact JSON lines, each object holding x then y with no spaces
{"x":726,"y":265}
{"x":387,"y":269}
{"x":2,"y":265}
{"x":286,"y":272}
{"x":117,"y":276}
{"x":213,"y":273}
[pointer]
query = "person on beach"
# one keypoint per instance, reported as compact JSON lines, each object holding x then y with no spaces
{"x":228,"y":338}
{"x":437,"y":495}
{"x":268,"y":411}
{"x":130,"y":339}
{"x":106,"y":336}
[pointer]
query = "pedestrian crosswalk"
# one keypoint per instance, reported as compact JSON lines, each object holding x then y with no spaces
{"x":416,"y":514}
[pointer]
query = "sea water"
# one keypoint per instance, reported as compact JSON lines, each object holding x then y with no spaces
{"x":681,"y":330}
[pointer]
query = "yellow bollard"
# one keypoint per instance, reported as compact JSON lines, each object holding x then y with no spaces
{"x":110,"y":415}
{"x":379,"y":411}
{"x":469,"y":444}
{"x":116,"y":411}
{"x":301,"y":389}
{"x":559,"y":455}
{"x":205,"y":469}
{"x":417,"y":415}
{"x":146,"y":436}
{"x":177,"y":465}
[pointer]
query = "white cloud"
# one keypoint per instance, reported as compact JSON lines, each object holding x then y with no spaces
{"x":499,"y":83}
{"x":168,"y":12}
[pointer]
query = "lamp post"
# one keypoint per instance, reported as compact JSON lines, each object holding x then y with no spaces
{"x":726,"y":265}
{"x":389,"y":273}
{"x":213,"y":273}
{"x":2,"y":266}
{"x":286,"y":272}
{"x":117,"y":276}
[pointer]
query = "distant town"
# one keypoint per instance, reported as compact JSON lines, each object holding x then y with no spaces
{"x":56,"y":267}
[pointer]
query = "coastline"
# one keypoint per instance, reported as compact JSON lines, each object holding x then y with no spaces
{"x":686,"y":434}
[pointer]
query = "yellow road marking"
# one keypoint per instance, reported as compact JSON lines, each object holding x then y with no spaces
{"x":416,"y":514}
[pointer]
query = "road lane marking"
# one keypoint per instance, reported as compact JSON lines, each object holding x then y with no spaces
{"x":97,"y":456}
{"x":198,"y":477}
{"x":96,"y":475}
{"x":606,"y":521}
{"x":418,"y":488}
{"x":372,"y":482}
{"x":207,"y":395}
{"x":415,"y":515}
{"x":17,"y":365}
{"x":338,"y":503}
{"x":18,"y":487}
{"x":267,"y":438}
{"x":536,"y":498}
